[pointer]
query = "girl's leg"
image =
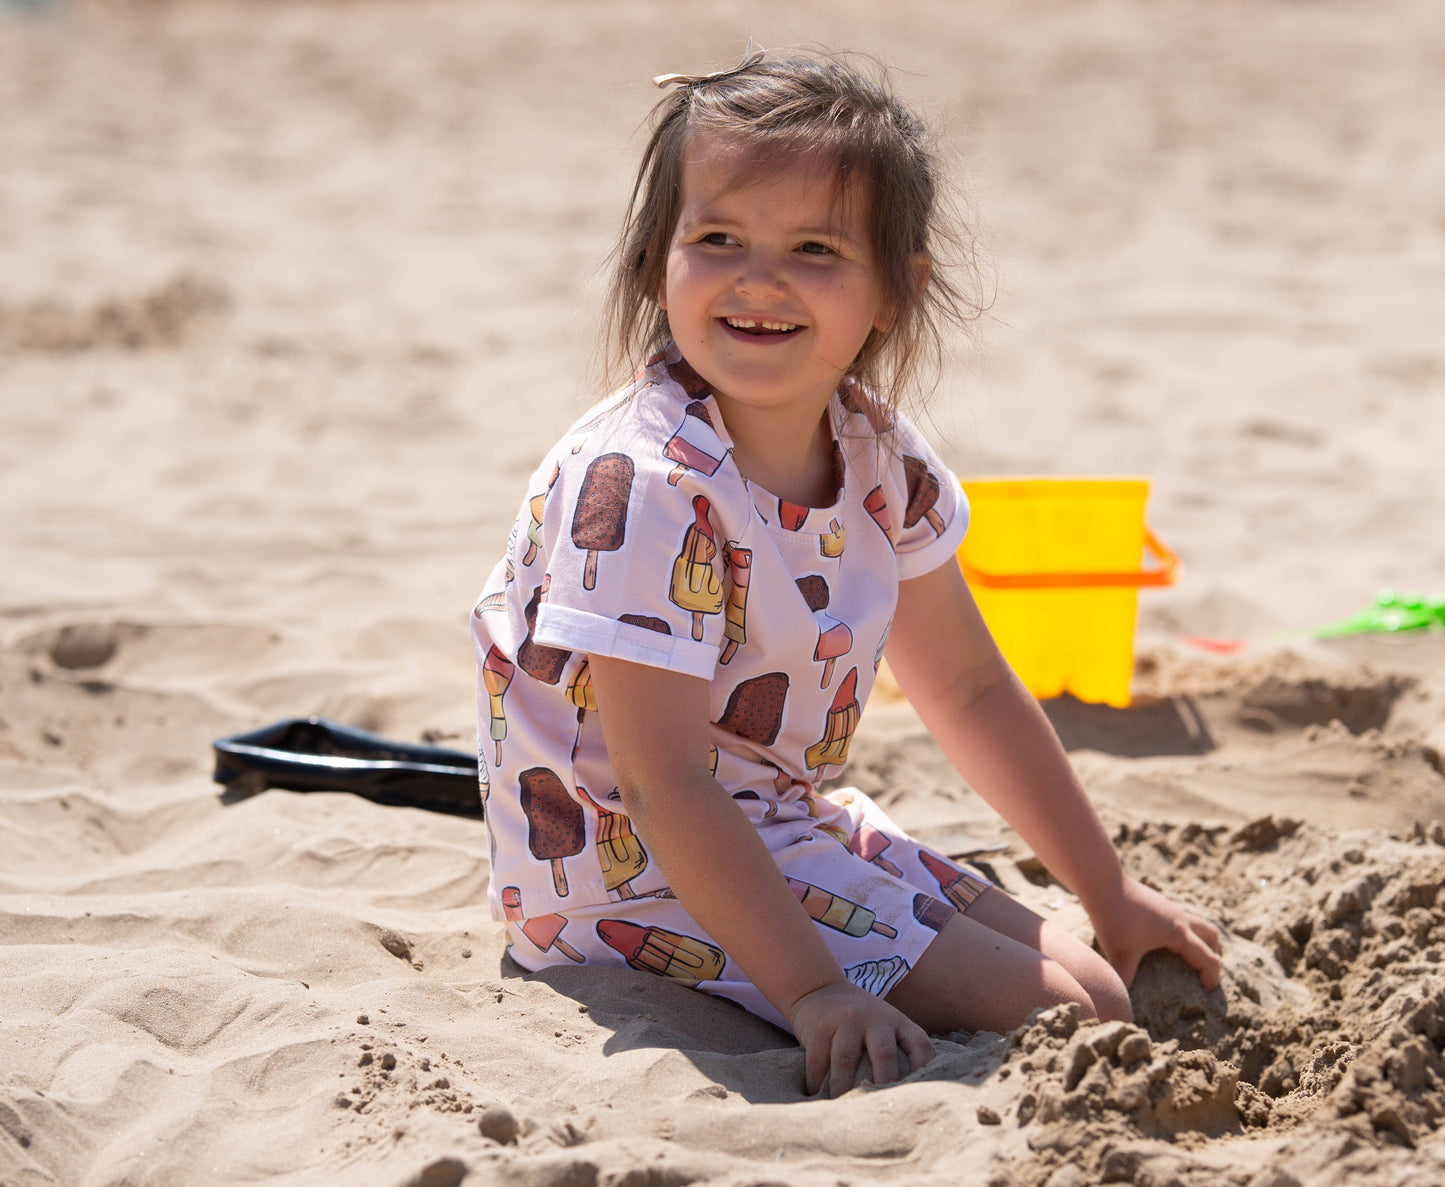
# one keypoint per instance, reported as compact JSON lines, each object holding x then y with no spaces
{"x":1094,"y":974}
{"x":989,"y":968}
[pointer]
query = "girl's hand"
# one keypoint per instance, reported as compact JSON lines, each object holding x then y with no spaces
{"x":838,"y":1022}
{"x":1144,"y":920}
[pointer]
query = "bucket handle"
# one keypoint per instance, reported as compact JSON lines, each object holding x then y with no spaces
{"x":1167,"y":573}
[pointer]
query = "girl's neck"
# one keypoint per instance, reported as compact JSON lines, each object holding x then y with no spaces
{"x":793,"y":462}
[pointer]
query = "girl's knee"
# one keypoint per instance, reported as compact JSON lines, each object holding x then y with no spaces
{"x":1061,"y":987}
{"x":1107,"y":998}
{"x":1115,"y":1006}
{"x":1107,"y":994}
{"x":1095,"y":987}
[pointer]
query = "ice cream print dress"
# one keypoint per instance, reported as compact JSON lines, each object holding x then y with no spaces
{"x":638,"y":538}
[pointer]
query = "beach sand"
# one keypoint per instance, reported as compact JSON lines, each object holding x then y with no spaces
{"x":292,"y":296}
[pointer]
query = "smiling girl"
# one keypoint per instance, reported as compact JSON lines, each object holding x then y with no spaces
{"x":703,"y":579}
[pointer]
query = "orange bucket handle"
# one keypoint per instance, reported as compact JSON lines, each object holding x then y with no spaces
{"x":1167,"y":573}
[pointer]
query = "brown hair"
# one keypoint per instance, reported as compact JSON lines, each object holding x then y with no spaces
{"x":809,"y":108}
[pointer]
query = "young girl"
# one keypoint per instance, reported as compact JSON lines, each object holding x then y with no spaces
{"x":702,"y":581}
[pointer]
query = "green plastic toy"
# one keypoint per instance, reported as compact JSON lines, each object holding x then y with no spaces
{"x":1390,"y":612}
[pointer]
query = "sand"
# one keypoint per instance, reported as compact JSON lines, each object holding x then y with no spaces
{"x":291,"y":298}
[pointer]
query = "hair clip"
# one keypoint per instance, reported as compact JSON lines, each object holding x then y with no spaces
{"x":752,"y":58}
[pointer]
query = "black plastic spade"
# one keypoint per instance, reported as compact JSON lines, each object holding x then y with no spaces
{"x":313,"y":754}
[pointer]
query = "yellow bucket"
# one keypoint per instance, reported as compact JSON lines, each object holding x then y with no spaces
{"x":1055,"y":566}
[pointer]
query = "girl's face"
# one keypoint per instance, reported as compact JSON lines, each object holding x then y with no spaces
{"x":770,"y":287}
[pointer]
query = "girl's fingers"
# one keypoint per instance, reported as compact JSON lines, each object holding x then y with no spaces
{"x":833,"y":1048}
{"x":1193,"y":939}
{"x":1199,"y":954}
{"x":815,"y":1067}
{"x":883,"y":1054}
{"x":843,"y":1066}
{"x":918,"y":1046}
{"x":1205,"y":931}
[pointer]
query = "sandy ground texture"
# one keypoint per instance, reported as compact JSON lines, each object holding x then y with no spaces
{"x":292,"y":296}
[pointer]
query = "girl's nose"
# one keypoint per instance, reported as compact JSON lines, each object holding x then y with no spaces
{"x":760,"y":275}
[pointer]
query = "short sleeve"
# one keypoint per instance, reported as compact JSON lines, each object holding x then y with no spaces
{"x":935,"y":509}
{"x":634,"y":549}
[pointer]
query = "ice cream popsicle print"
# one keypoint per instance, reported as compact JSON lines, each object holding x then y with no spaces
{"x":695,"y":587}
{"x":838,"y":729}
{"x":877,"y":976}
{"x":579,"y":689}
{"x":546,"y":932}
{"x":543,"y":930}
{"x":497,"y":673}
{"x":695,"y":445}
{"x":588,"y":425}
{"x":882,"y":644}
{"x":618,"y":849}
{"x":876,"y":504}
{"x":782,"y":781}
{"x":833,"y":910}
{"x":832,"y":542}
{"x":537,"y":660}
{"x":555,"y":826}
{"x":509,"y":574}
{"x":579,"y":693}
{"x":869,"y":844}
{"x":791,"y":515}
{"x":755,"y":708}
{"x":534,"y":527}
{"x":666,"y":953}
{"x":735,"y":625}
{"x":959,"y":886}
{"x":535,"y":506}
{"x":834,"y":637}
{"x":772,"y":808}
{"x":490,"y":602}
{"x":923,"y":492}
{"x":820,"y":810}
{"x":648,"y":621}
{"x":932,"y":912}
{"x":599,"y":523}
{"x":856,"y":400}
{"x":680,"y":371}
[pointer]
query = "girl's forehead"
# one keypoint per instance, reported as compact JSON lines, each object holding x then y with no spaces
{"x":716,"y":169}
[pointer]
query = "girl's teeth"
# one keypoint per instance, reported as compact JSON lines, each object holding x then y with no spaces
{"x":746,"y":323}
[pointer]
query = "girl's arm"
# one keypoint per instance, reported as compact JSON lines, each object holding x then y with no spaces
{"x":655,"y":724}
{"x":997,"y":736}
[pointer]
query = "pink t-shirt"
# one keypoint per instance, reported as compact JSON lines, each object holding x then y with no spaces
{"x":639,"y":539}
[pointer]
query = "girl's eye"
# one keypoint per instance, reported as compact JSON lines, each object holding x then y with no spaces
{"x":717,"y":239}
{"x":814,"y":248}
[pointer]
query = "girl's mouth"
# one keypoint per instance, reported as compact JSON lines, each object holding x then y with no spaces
{"x":748,"y":325}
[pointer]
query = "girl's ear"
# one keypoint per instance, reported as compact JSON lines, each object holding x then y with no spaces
{"x":920,"y":263}
{"x":920,"y":268}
